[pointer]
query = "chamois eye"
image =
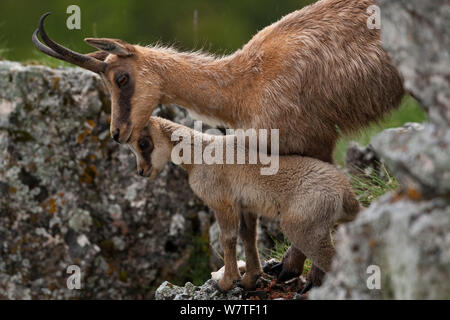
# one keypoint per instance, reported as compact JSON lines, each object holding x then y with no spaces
{"x":122,"y":80}
{"x":143,"y":144}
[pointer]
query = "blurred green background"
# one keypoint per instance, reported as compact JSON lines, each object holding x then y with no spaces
{"x":218,"y":27}
{"x":221,"y":26}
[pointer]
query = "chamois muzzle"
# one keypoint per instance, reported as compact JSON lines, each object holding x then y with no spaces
{"x":57,"y":51}
{"x":116,"y":135}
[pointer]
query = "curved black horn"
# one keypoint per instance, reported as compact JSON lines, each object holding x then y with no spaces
{"x":58,"y":51}
{"x":44,"y":48}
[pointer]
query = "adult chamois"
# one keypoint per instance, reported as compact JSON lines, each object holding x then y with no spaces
{"x":314,"y":73}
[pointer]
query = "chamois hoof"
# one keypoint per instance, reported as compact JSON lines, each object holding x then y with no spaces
{"x":249,"y":282}
{"x":306,"y":288}
{"x":225,"y":290}
{"x":286,"y":275}
{"x":275,"y":269}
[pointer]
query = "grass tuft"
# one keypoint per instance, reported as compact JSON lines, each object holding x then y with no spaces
{"x":369,"y":187}
{"x":278,"y":249}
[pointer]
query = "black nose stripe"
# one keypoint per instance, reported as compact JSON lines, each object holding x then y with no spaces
{"x":116,"y":135}
{"x":124,"y":102}
{"x":141,"y":172}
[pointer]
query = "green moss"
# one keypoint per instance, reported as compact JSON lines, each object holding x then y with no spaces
{"x":197,"y":269}
{"x":123,"y":276}
{"x":107,"y":246}
{"x":19,"y":135}
{"x":97,"y":223}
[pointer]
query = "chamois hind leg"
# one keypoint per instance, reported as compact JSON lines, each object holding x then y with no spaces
{"x":293,"y":260}
{"x":351,"y":208}
{"x":292,"y":264}
{"x":314,"y":278}
{"x":314,"y":241}
{"x":228,"y":221}
{"x":312,"y":237}
{"x":320,"y":249}
{"x":248,"y":233}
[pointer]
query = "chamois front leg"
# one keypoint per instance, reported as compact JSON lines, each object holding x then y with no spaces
{"x":228,"y":221}
{"x":248,"y":233}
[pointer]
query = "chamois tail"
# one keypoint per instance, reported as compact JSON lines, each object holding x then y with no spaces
{"x":351,"y":207}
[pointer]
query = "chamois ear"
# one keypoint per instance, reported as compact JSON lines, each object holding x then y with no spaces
{"x":113,"y":46}
{"x":99,"y":55}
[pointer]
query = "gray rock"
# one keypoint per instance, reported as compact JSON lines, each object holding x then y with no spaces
{"x":409,"y":241}
{"x":70,"y":195}
{"x":207,"y":291}
{"x":415,"y":33}
{"x":80,"y":220}
{"x":167,"y":291}
{"x":419,"y":157}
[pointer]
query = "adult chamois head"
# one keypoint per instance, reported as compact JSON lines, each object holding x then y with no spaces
{"x":119,"y":64}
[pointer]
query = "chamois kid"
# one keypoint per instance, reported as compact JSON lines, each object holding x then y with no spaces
{"x":307,"y":195}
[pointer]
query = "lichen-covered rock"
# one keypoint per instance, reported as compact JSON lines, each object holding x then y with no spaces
{"x":408,"y":240}
{"x":415,"y":33}
{"x":207,"y":291}
{"x":419,"y":156}
{"x":69,"y":195}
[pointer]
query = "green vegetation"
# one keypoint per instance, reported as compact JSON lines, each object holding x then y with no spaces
{"x":3,"y":52}
{"x":370,"y":187}
{"x":220,"y":27}
{"x":278,"y":250}
{"x":197,"y":270}
{"x":409,"y":111}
